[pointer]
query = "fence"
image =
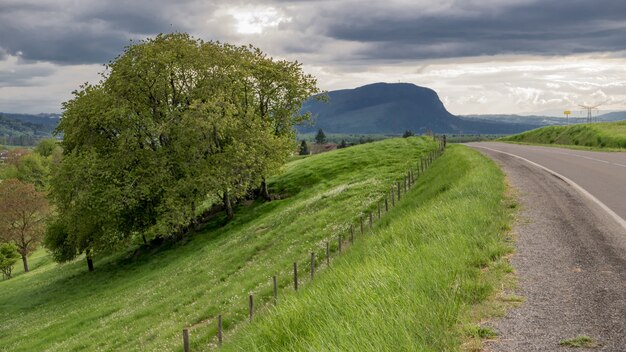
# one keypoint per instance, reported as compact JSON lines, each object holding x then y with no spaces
{"x":395,"y":195}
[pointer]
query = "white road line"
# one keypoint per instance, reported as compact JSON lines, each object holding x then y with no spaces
{"x":583,"y":191}
{"x":548,"y":149}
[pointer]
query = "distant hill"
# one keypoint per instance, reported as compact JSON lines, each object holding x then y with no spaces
{"x":613,"y":116}
{"x":392,"y":108}
{"x":24,"y":129}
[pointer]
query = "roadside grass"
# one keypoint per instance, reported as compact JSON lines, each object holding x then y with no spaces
{"x":414,"y":282}
{"x":141,"y":302}
{"x":580,"y":341}
{"x":605,"y":136}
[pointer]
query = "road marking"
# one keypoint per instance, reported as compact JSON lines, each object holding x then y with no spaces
{"x":583,"y":191}
{"x":548,"y":149}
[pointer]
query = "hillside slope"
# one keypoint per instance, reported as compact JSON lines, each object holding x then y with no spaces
{"x":595,"y":135}
{"x":408,"y":286}
{"x":411,"y":280}
{"x":394,"y":108}
{"x":142,"y":301}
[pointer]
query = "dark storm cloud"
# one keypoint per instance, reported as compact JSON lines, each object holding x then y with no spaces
{"x":541,"y":27}
{"x":23,"y":77}
{"x":91,"y":31}
{"x":67,"y":32}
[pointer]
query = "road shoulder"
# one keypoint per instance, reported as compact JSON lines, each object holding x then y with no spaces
{"x":570,"y":263}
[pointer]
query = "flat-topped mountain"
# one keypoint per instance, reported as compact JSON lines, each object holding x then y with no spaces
{"x":394,"y":108}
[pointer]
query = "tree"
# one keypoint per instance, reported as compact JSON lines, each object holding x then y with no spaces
{"x":320,"y":137}
{"x":46,"y":146}
{"x":23,"y":212}
{"x":173,"y":120}
{"x":34,"y":168}
{"x":8,"y":258}
{"x":304,"y":148}
{"x":343,"y":144}
{"x":408,"y":133}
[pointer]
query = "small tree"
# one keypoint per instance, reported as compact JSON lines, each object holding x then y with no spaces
{"x":23,"y":212}
{"x":408,"y":133}
{"x":343,"y":144}
{"x":304,"y":148}
{"x":320,"y":137}
{"x":46,"y":146}
{"x":8,"y":258}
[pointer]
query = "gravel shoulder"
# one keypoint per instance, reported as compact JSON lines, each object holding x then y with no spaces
{"x":571,"y":266}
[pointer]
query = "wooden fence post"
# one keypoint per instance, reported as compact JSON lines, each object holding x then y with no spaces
{"x":393,"y":198}
{"x":361,"y":220}
{"x":351,"y":233}
{"x":386,"y":205}
{"x":186,"y":340}
{"x":378,"y":211}
{"x":327,"y":253}
{"x":398,"y":191}
{"x":312,"y":265}
{"x":371,"y":220}
{"x":275,"y":290}
{"x":251,"y":302}
{"x":219,"y":330}
{"x":295,"y":275}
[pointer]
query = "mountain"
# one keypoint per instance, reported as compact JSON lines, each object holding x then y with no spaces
{"x":24,"y":129}
{"x":613,"y":116}
{"x":48,"y":121}
{"x":393,"y":108}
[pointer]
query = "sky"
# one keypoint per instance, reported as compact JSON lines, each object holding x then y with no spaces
{"x":480,"y":56}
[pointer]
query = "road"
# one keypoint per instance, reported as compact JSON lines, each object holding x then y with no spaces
{"x":570,"y":247}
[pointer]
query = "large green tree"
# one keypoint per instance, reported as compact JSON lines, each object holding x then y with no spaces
{"x":174,"y":120}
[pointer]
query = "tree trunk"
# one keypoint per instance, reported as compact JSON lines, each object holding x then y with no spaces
{"x":229,"y":207}
{"x":89,"y":261}
{"x":25,"y":261}
{"x":143,"y":236}
{"x":264,"y":192}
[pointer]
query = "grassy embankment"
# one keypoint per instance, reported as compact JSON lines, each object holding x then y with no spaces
{"x":412,"y":285}
{"x":595,"y":136}
{"x":409,"y":285}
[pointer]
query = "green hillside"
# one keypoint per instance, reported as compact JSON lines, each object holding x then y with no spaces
{"x":595,"y":135}
{"x":423,"y":264}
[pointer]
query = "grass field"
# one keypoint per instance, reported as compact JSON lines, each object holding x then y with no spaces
{"x":412,"y":283}
{"x":605,"y":135}
{"x":143,"y":302}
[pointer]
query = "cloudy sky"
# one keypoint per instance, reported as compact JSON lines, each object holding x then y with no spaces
{"x":481,"y":56}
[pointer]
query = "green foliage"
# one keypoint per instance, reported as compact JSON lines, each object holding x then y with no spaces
{"x":304,"y":148}
{"x":35,"y":169}
{"x":606,"y":135}
{"x":320,"y":137}
{"x":141,"y":299}
{"x":343,"y":144}
{"x":46,"y":147}
{"x":174,"y":121}
{"x":408,"y":133}
{"x":8,"y":258}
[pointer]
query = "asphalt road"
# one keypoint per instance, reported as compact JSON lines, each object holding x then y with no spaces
{"x":571,"y":247}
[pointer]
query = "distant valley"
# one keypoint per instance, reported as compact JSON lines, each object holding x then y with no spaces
{"x":26,"y":129}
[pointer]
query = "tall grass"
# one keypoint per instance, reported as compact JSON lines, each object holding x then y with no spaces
{"x":142,"y":302}
{"x":410,"y":284}
{"x":595,"y":136}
